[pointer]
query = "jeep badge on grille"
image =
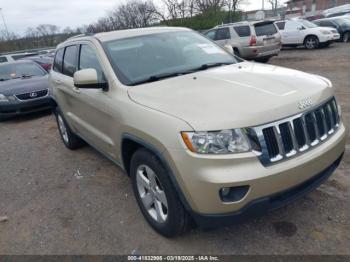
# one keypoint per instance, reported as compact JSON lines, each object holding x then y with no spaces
{"x":305,"y":103}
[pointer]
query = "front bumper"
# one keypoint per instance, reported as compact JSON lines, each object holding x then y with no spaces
{"x":268,"y":203}
{"x":329,"y":38}
{"x":201,"y":177}
{"x":18,"y":107}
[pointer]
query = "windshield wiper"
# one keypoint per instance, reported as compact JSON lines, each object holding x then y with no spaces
{"x":155,"y":78}
{"x":26,"y":76}
{"x":210,"y":65}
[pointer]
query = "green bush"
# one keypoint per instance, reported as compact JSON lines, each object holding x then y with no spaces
{"x":205,"y":20}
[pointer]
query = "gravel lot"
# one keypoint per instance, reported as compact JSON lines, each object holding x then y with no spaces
{"x":63,"y":202}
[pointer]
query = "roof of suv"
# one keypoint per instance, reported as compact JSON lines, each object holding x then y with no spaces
{"x":244,"y":23}
{"x":120,"y":34}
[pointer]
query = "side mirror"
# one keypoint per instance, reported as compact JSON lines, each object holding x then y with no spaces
{"x":301,"y":28}
{"x":87,"y":78}
{"x":229,"y":49}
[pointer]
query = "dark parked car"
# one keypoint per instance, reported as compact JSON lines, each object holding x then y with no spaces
{"x":340,"y":23}
{"x":24,"y":88}
{"x":44,"y":61}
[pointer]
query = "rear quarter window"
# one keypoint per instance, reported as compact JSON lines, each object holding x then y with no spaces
{"x":242,"y":31}
{"x":3,"y":59}
{"x":281,"y":25}
{"x":57,"y":64}
{"x":265,"y":29}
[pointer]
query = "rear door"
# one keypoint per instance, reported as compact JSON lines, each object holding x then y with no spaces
{"x":267,"y":35}
{"x":292,"y":33}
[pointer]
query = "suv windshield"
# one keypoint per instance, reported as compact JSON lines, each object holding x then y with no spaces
{"x":153,"y":57}
{"x":307,"y":24}
{"x":19,"y":70}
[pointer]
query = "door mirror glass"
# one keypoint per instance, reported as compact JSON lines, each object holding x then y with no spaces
{"x":88,"y":78}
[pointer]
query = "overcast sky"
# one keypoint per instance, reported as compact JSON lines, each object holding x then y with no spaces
{"x":21,"y":14}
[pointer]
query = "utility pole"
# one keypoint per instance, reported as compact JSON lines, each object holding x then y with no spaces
{"x":5,"y":25}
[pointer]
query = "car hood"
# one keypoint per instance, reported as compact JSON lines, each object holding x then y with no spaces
{"x":241,"y":95}
{"x":23,"y":85}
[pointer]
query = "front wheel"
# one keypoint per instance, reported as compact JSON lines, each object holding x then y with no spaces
{"x":69,"y":139}
{"x":311,"y":42}
{"x":346,"y":37}
{"x":156,"y":195}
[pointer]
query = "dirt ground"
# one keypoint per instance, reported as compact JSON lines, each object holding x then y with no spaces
{"x":77,"y":202}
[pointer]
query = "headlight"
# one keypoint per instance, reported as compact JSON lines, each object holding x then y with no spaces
{"x":325,"y":32}
{"x":3,"y":98}
{"x":217,"y":142}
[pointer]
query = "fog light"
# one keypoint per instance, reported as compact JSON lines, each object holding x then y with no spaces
{"x":233,"y":194}
{"x":225,"y":191}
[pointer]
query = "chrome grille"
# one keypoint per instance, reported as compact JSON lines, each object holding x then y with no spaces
{"x":292,"y":136}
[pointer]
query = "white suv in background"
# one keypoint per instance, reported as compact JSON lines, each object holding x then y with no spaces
{"x":302,"y":32}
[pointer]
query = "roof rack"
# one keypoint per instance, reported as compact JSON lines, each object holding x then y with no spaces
{"x":229,"y":24}
{"x":81,"y":35}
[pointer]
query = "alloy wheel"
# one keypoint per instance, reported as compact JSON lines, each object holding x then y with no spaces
{"x":311,"y":43}
{"x":63,"y":129}
{"x":151,"y":193}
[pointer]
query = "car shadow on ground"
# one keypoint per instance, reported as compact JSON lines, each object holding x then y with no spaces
{"x":27,"y":117}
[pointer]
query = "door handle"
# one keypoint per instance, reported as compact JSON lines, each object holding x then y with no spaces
{"x":76,"y":90}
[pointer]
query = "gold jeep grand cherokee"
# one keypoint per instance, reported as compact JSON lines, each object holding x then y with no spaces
{"x":203,"y":135}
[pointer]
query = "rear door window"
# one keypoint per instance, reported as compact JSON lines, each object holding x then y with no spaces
{"x":57,"y":65}
{"x":70,"y":60}
{"x":281,"y":25}
{"x":265,"y":29}
{"x":223,"y":34}
{"x":242,"y":31}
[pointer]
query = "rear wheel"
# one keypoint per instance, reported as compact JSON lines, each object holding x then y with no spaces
{"x":346,"y":37}
{"x":311,"y":42}
{"x":263,"y":59}
{"x":69,"y":139}
{"x":156,"y":195}
{"x":236,"y":52}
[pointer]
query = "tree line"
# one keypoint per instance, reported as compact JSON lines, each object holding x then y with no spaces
{"x":196,"y":14}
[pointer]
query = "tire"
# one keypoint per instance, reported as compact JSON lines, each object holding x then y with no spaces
{"x":346,"y":37}
{"x":236,"y":52}
{"x":263,"y":59}
{"x":311,"y":42}
{"x":70,"y":140}
{"x":156,"y":195}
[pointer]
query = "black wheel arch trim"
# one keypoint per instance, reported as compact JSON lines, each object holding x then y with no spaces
{"x":164,"y":162}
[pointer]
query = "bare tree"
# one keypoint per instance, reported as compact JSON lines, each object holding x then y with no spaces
{"x":275,"y":4}
{"x":48,"y":32}
{"x":209,"y":5}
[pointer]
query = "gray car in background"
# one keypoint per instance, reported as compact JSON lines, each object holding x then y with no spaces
{"x":256,"y":40}
{"x":24,"y":88}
